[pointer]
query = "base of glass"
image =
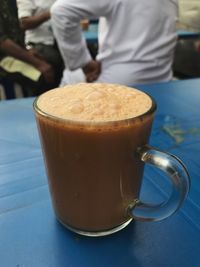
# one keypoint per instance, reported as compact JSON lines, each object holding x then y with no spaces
{"x":96,"y":233}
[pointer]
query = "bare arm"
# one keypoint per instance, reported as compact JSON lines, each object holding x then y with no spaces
{"x":16,"y":51}
{"x":32,"y":22}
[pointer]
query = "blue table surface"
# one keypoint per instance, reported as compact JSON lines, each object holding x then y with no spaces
{"x":30,"y":236}
{"x":185,"y":34}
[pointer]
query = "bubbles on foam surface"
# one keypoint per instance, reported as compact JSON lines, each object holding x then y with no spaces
{"x":114,"y":106}
{"x":76,"y":108}
{"x":98,"y":112}
{"x":95,"y":95}
{"x":95,"y":102}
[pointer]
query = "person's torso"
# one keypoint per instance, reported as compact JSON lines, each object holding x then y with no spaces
{"x":42,"y":33}
{"x":141,"y":34}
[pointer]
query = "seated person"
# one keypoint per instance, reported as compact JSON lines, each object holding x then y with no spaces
{"x":136,"y":39}
{"x":17,"y":62}
{"x":34,"y":18}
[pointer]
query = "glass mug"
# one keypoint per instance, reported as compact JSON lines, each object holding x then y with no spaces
{"x":95,"y":171}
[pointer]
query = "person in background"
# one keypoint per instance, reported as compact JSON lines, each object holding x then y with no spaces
{"x":34,"y":18}
{"x":187,"y":53}
{"x":15,"y":60}
{"x":136,"y":39}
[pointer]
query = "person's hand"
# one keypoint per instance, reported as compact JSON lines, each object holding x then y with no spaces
{"x":35,"y":53}
{"x":92,"y":70}
{"x":46,"y":15}
{"x":47,"y":72}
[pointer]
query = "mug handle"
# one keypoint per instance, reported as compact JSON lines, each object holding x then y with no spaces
{"x":177,"y":174}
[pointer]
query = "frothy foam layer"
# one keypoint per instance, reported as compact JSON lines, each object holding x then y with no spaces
{"x":94,"y":102}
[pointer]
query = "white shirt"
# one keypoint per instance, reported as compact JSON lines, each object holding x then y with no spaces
{"x":136,"y":37}
{"x":43,"y":33}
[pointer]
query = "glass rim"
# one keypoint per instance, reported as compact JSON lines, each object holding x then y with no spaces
{"x":38,"y":110}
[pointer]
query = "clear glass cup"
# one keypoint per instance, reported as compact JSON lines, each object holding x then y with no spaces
{"x":95,"y":172}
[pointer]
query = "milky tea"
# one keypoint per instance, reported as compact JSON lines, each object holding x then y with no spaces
{"x":89,"y":135}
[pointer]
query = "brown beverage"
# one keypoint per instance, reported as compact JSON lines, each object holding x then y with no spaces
{"x":90,"y":134}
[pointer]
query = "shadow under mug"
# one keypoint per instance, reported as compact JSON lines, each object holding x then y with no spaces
{"x":95,"y":172}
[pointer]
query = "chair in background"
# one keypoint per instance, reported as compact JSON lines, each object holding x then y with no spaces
{"x":10,"y":90}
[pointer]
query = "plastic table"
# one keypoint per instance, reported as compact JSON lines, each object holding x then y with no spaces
{"x":184,"y":34}
{"x":31,"y":236}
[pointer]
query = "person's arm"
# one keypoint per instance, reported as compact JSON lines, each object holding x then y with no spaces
{"x":32,"y":22}
{"x":28,"y":16}
{"x":65,"y":18}
{"x":16,"y":51}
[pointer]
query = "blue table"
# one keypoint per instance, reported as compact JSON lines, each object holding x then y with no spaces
{"x":184,"y":34}
{"x":30,"y":236}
